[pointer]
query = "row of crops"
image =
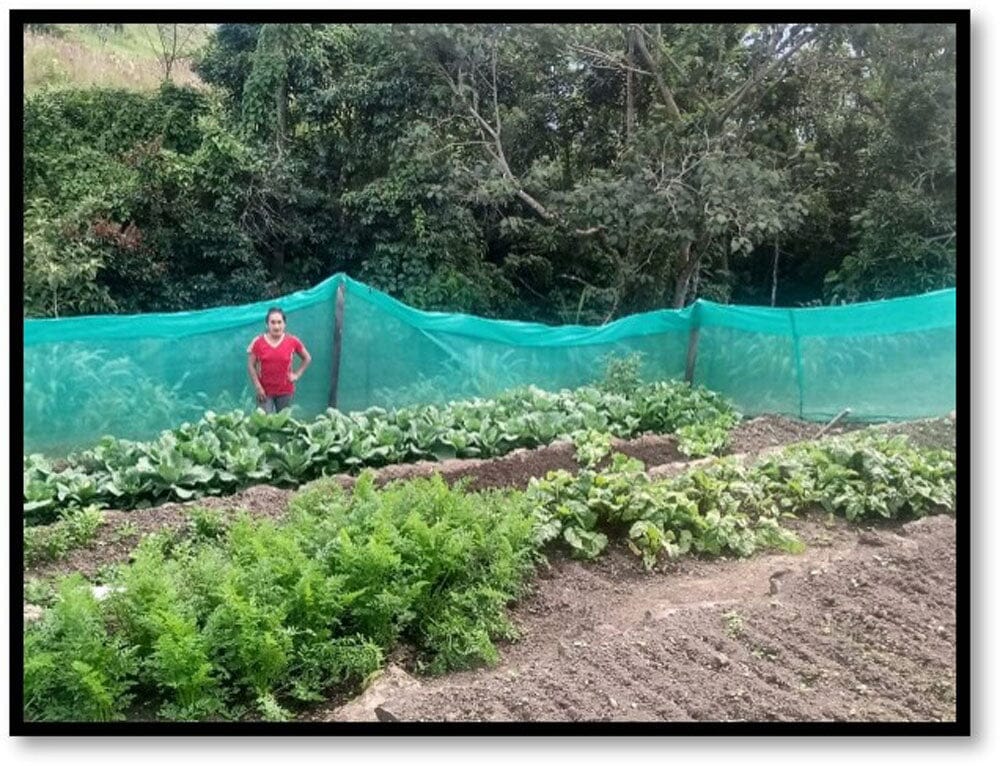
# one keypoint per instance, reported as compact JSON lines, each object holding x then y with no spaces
{"x":223,"y":453}
{"x":234,"y":618}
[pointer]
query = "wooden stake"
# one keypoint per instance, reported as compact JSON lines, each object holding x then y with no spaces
{"x":832,"y":423}
{"x":692,"y":355}
{"x":338,"y":330}
{"x":774,"y":276}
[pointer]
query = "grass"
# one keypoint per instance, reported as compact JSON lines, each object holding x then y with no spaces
{"x":92,"y":55}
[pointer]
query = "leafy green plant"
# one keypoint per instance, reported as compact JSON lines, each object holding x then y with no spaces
{"x":730,"y":508}
{"x":206,"y":523}
{"x":179,"y":664}
{"x":76,"y":528}
{"x":704,"y":439}
{"x":734,"y":624}
{"x":862,"y":476}
{"x":74,"y":669}
{"x":268,"y":616}
{"x":40,"y":592}
{"x":270,"y":710}
{"x":656,"y":517}
{"x":572,"y":507}
{"x":125,"y":531}
{"x":622,"y":373}
{"x":223,"y":452}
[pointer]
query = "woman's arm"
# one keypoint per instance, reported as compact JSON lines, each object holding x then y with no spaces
{"x":306,"y":361}
{"x":253,"y":371}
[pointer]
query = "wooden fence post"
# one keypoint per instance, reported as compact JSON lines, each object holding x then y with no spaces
{"x":692,"y":355}
{"x":797,"y":349}
{"x":338,"y":330}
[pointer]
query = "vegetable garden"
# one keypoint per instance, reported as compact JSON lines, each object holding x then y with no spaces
{"x":231,"y":617}
{"x":626,"y":395}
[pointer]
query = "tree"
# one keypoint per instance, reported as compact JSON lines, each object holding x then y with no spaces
{"x":226,"y":59}
{"x":561,"y":173}
{"x":170,"y":43}
{"x":689,"y":168}
{"x":904,"y":235}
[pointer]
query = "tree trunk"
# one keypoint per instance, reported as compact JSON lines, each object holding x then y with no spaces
{"x":278,"y":263}
{"x":629,"y":83}
{"x":281,"y":96}
{"x":173,"y":50}
{"x":281,"y":128}
{"x":688,"y":264}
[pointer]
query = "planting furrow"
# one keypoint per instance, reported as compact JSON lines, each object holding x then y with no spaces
{"x":694,"y":663}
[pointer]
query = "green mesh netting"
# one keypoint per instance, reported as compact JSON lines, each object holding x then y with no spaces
{"x":133,"y":376}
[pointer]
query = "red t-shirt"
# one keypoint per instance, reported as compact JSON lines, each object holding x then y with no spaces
{"x":276,"y":363}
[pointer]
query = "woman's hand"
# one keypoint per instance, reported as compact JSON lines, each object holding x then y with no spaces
{"x":261,"y":396}
{"x":294,"y":376}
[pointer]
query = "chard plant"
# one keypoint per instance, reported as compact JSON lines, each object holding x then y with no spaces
{"x":729,"y":508}
{"x":862,"y":476}
{"x":656,"y":518}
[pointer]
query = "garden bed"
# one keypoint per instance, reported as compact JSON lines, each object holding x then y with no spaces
{"x":121,"y":530}
{"x":823,"y":635}
{"x":861,"y":628}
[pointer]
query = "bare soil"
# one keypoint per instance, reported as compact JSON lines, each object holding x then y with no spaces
{"x":859,"y":627}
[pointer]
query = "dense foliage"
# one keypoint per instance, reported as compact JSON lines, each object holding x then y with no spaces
{"x":731,"y":508}
{"x":555,"y":172}
{"x":243,"y":617}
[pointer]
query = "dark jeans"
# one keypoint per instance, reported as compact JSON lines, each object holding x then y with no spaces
{"x":272,"y":404}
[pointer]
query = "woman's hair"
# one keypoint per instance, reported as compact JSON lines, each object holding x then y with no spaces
{"x":275,"y":310}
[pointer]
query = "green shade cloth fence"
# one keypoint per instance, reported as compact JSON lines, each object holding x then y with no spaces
{"x":133,"y":376}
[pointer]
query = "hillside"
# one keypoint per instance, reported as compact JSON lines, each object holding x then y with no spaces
{"x":123,"y":56}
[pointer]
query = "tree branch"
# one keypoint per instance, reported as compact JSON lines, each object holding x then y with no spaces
{"x":665,"y":93}
{"x":610,"y":61}
{"x":661,"y":50}
{"x":496,"y":104}
{"x":496,"y":151}
{"x":780,"y":60}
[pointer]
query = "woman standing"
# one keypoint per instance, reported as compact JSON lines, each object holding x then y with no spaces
{"x":269,"y":362}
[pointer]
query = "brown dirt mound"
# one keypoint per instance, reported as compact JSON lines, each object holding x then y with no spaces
{"x":771,"y":431}
{"x":861,"y":627}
